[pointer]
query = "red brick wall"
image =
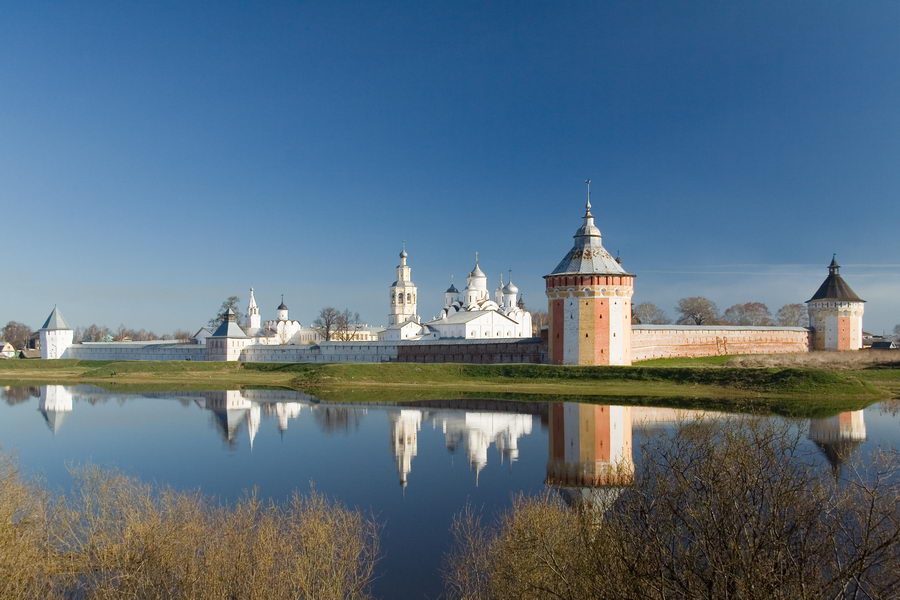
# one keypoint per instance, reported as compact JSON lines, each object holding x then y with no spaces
{"x":712,"y":341}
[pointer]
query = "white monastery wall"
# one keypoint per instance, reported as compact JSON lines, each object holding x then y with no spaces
{"x":136,"y":351}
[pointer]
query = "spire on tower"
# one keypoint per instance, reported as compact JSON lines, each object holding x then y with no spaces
{"x":587,"y":206}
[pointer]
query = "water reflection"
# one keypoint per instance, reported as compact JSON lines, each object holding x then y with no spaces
{"x":56,"y":403}
{"x":590,"y":455}
{"x":838,"y":436}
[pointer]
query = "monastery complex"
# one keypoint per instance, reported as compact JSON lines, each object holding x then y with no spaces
{"x":590,"y":323}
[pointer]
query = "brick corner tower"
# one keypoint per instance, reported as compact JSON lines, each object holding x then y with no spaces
{"x":835,"y":314}
{"x":589,"y":302}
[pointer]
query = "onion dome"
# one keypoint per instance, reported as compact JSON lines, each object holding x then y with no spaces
{"x":452,"y":290}
{"x":403,"y":253}
{"x":834,"y":287}
{"x":510,"y":288}
{"x":282,"y":306}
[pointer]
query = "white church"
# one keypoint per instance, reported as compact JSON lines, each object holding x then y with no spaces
{"x":472,"y":314}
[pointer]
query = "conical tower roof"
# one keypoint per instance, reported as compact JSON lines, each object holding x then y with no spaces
{"x":588,"y":256}
{"x":834,"y":287}
{"x":229,"y":327}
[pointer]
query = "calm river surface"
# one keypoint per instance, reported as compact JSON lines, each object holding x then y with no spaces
{"x":412,"y":466}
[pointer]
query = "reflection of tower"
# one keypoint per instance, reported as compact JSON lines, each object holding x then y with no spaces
{"x":838,"y":436}
{"x":590,"y":456}
{"x":229,"y":408}
{"x":405,"y":425}
{"x":56,"y":401}
{"x":253,"y":418}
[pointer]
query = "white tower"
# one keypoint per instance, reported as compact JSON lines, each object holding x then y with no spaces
{"x":56,"y":336}
{"x":403,"y":294}
{"x":253,"y":320}
{"x":476,"y":286}
{"x":835,"y":313}
{"x":281,"y":313}
{"x":451,"y":295}
{"x":510,"y":295}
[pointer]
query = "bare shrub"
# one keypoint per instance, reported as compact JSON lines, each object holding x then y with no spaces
{"x":718,"y":511}
{"x":116,"y":537}
{"x":27,"y":560}
{"x":863,"y":359}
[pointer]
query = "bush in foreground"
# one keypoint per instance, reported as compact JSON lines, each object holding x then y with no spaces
{"x":115,"y":537}
{"x":718,"y":511}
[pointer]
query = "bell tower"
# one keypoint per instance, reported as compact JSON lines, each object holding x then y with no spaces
{"x":403,"y":294}
{"x":589,"y":302}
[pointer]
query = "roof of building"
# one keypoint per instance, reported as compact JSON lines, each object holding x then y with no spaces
{"x":55,"y":321}
{"x":886,"y":345}
{"x":452,"y":290}
{"x":229,"y":328}
{"x":588,"y":256}
{"x":29,"y":353}
{"x":834,"y":287}
{"x":464,"y":316}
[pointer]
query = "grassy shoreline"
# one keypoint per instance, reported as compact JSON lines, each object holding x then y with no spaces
{"x":707,"y":384}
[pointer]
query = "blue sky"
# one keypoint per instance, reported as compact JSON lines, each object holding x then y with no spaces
{"x":157,"y":157}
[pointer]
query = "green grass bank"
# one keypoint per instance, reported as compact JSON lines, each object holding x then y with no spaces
{"x":699,"y":384}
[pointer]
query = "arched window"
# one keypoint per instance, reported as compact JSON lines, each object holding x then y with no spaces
{"x":408,"y":297}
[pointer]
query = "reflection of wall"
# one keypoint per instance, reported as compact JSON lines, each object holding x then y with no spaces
{"x":838,"y":436}
{"x":56,"y":402}
{"x":590,"y":446}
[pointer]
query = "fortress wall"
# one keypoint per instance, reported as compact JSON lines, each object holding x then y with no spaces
{"x":341,"y":352}
{"x":136,"y":351}
{"x":520,"y":351}
{"x":673,"y":341}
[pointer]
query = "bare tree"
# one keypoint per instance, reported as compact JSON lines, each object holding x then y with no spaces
{"x":793,"y":315}
{"x":16,"y":334}
{"x":749,"y":314}
{"x":647,"y":313}
{"x":93,"y":333}
{"x":327,"y":322}
{"x":697,"y":310}
{"x":347,"y":326}
{"x":539,"y":320}
{"x":231,"y":302}
{"x":182,"y":335}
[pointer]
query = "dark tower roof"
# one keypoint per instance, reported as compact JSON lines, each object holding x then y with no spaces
{"x":834,"y":287}
{"x":282,"y":306}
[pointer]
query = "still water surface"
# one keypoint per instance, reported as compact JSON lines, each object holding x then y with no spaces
{"x":412,"y":466}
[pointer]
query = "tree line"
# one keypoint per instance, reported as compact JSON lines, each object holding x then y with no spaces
{"x":17,"y":334}
{"x":698,"y":310}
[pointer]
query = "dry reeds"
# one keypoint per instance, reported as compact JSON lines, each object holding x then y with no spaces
{"x":115,"y":537}
{"x":843,"y":361}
